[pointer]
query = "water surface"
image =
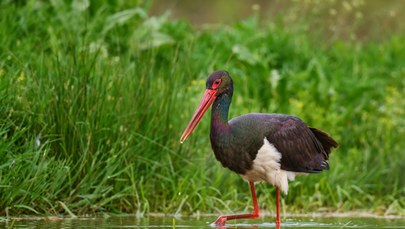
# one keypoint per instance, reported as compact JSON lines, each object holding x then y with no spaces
{"x":199,"y":222}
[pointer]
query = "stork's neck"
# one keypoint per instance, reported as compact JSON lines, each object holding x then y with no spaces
{"x":219,"y":115}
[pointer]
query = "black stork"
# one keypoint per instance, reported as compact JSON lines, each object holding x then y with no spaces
{"x":260,"y":147}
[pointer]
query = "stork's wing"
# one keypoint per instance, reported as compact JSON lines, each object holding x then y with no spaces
{"x":303,"y":149}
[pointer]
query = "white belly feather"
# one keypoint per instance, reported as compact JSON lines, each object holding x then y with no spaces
{"x":266,"y":167}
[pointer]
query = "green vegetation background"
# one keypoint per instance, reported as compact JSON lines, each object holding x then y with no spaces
{"x":94,"y":98}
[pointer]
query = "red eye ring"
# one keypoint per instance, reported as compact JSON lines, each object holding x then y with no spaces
{"x":216,"y":83}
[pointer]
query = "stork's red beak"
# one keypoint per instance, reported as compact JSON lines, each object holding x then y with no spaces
{"x":207,"y":100}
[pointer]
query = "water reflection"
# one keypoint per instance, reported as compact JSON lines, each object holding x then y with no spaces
{"x":192,"y":222}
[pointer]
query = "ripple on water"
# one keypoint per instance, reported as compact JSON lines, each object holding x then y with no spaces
{"x":202,"y":222}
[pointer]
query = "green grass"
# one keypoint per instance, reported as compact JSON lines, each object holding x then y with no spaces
{"x":94,"y":100}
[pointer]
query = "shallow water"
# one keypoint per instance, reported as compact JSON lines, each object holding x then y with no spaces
{"x":200,"y":222}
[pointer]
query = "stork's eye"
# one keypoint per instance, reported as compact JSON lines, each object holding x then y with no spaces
{"x":216,"y":83}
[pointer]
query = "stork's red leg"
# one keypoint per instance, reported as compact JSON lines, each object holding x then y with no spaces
{"x":278,"y":221}
{"x":222,"y":219}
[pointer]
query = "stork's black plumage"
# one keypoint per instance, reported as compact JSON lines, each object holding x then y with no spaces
{"x":268,"y":147}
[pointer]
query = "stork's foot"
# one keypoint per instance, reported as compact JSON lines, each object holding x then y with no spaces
{"x":221,"y":221}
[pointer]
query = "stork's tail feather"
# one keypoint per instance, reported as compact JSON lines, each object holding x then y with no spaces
{"x":326,"y":140}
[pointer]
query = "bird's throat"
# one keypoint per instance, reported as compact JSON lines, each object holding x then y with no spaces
{"x":219,"y":115}
{"x":220,"y":133}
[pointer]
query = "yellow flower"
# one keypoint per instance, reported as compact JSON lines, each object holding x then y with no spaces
{"x":21,"y":77}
